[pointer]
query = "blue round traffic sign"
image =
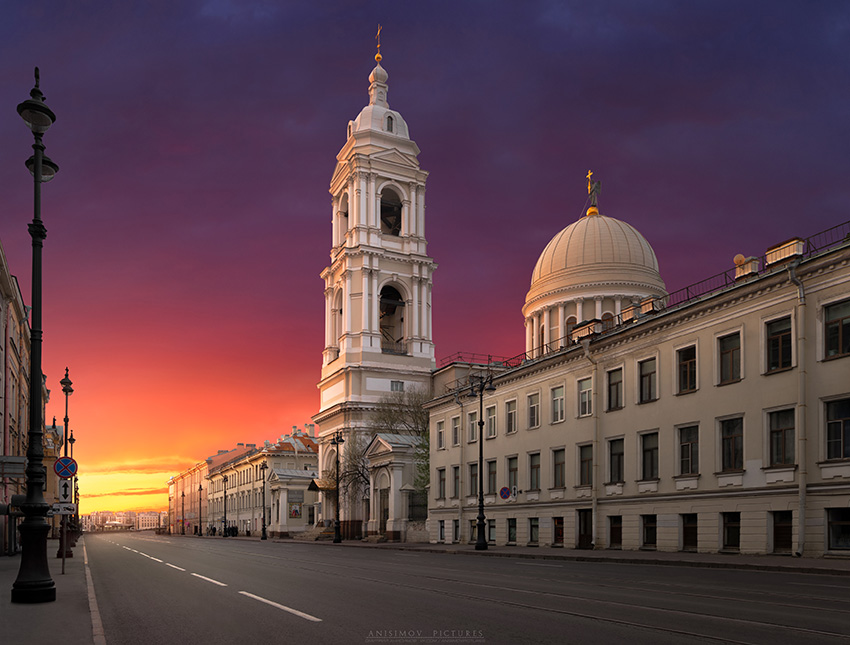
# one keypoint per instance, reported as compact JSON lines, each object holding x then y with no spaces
{"x":65,"y":467}
{"x":505,"y":493}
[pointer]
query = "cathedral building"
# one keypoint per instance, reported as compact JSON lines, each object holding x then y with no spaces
{"x":377,"y":316}
{"x":711,"y":419}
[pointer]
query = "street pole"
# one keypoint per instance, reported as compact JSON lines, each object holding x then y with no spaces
{"x":34,"y":584}
{"x":64,"y":547}
{"x":337,"y":441}
{"x":263,"y":468}
{"x":200,"y":518}
{"x":224,"y":521}
{"x":478,"y":388}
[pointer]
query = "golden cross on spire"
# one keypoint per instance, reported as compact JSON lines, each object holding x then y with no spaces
{"x":593,"y":188}
{"x":378,"y":38}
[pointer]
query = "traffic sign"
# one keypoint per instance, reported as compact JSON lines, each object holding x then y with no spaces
{"x":66,"y":491}
{"x":505,"y":493}
{"x":64,"y":509}
{"x":65,"y":467}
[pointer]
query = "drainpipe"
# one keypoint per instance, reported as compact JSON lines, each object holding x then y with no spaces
{"x":594,"y":493}
{"x":802,"y":458}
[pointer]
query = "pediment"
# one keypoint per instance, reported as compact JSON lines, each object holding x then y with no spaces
{"x":395,"y":157}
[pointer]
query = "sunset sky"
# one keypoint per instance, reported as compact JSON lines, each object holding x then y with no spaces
{"x":196,"y":140}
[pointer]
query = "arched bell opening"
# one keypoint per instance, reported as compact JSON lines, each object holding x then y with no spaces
{"x":392,"y":321}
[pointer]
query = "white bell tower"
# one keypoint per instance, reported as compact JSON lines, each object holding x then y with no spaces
{"x":378,"y":285}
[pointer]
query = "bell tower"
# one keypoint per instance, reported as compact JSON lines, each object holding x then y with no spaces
{"x":378,"y":284}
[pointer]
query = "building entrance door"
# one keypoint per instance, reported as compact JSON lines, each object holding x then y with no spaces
{"x":384,"y":510}
{"x":585,"y":528}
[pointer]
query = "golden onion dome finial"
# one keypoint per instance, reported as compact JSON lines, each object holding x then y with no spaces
{"x":378,"y":56}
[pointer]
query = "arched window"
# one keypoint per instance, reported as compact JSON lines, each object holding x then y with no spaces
{"x":336,"y":318}
{"x":389,"y":124}
{"x":571,"y":323}
{"x":607,"y":321}
{"x":392,"y":322}
{"x":342,"y":221}
{"x":390,"y":212}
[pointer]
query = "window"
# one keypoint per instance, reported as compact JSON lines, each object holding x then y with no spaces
{"x":441,"y":483}
{"x":783,"y":536}
{"x":838,"y":521}
{"x":585,"y":405}
{"x":491,"y":531}
{"x":512,"y":473}
{"x":689,"y":450}
{"x":473,"y":531}
{"x":615,"y":389}
{"x":533,"y":530}
{"x":510,"y":417}
{"x":533,"y":410}
{"x":732,"y":444}
{"x":558,"y":530}
{"x":456,"y":530}
{"x":557,"y":404}
{"x":647,"y":380}
{"x":837,"y":329}
{"x":779,"y":344}
{"x":442,"y":536}
{"x":782,"y":437}
{"x":491,"y":477}
{"x":731,"y":531}
{"x":455,"y":431}
{"x":534,"y":471}
{"x":473,"y":479}
{"x":389,"y":124}
{"x":441,"y":431}
{"x":491,"y":421}
{"x":838,"y":429}
{"x":585,"y":465}
{"x":511,"y":530}
{"x":687,"y":365}
{"x":396,"y":386}
{"x":472,"y":426}
{"x":615,"y":451}
{"x":648,"y":531}
{"x":455,"y":481}
{"x":649,"y":455}
{"x":689,"y":531}
{"x":559,"y":466}
{"x":730,"y":358}
{"x":615,"y":531}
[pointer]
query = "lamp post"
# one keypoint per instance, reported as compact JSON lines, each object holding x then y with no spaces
{"x":477,"y":388}
{"x":183,"y":513}
{"x":263,"y":467}
{"x":337,"y":441}
{"x":200,"y":523}
{"x":65,"y":548}
{"x":224,"y":521}
{"x":34,"y":583}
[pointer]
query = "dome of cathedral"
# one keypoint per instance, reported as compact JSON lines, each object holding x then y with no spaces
{"x":594,"y":256}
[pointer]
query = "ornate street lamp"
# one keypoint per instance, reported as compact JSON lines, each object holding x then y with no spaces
{"x":263,"y":467}
{"x":183,"y":513}
{"x":477,"y":388}
{"x":337,"y":441}
{"x":64,"y":546}
{"x":224,"y":521}
{"x":200,"y":523}
{"x":34,"y":583}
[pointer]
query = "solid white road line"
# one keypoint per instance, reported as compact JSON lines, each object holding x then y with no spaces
{"x":215,"y":582}
{"x":295,"y":612}
{"x":174,"y":566}
{"x":96,"y":625}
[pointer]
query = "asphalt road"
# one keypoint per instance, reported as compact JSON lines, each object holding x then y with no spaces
{"x":181,"y":589}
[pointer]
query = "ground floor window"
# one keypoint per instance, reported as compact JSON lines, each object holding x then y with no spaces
{"x":558,"y":528}
{"x":456,"y":530}
{"x":615,"y":532}
{"x":512,"y":530}
{"x":442,"y":536}
{"x":491,"y":530}
{"x":689,"y":532}
{"x":782,"y":533}
{"x":838,"y":520}
{"x":648,"y":530}
{"x":473,"y":530}
{"x":533,"y":530}
{"x":731,"y":531}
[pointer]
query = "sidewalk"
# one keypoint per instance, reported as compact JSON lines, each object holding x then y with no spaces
{"x":67,"y":620}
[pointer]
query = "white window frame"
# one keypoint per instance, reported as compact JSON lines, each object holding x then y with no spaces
{"x":640,"y":436}
{"x":472,"y":426}
{"x":765,"y":321}
{"x":510,"y":415}
{"x":557,"y":404}
{"x":675,"y":366}
{"x":529,"y":407}
{"x":608,"y":371}
{"x":441,"y":435}
{"x":718,"y":442}
{"x":490,"y":421}
{"x":678,"y":454}
{"x":638,"y":362}
{"x":581,"y":410}
{"x":766,"y":447}
{"x":716,"y":353}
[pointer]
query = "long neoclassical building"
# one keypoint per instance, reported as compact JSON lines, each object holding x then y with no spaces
{"x":712,"y":419}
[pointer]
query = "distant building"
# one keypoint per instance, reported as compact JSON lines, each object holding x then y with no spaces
{"x":714,"y":419}
{"x":147,"y":521}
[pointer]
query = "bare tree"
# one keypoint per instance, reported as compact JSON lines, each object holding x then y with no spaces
{"x":404,"y":413}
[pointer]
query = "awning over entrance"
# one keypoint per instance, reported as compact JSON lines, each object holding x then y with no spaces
{"x":322,"y":484}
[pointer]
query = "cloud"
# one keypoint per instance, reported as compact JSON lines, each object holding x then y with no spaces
{"x":152,"y":465}
{"x":127,"y":492}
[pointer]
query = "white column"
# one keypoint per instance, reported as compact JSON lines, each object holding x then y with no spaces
{"x":334,"y":222}
{"x":420,"y":217}
{"x":374,"y":206}
{"x":365,"y":304}
{"x":412,"y":212}
{"x":529,"y":335}
{"x":618,"y":305}
{"x":562,"y":324}
{"x":396,"y":519}
{"x":375,"y":300}
{"x":579,"y":310}
{"x":428,"y":316}
{"x":347,"y":302}
{"x":547,"y":326}
{"x":598,"y":300}
{"x":328,"y":315}
{"x":353,"y":207}
{"x":363,"y":219}
{"x":416,"y":311}
{"x":284,"y":510}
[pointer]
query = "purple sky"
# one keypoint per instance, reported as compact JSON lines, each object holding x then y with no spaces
{"x":196,"y":140}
